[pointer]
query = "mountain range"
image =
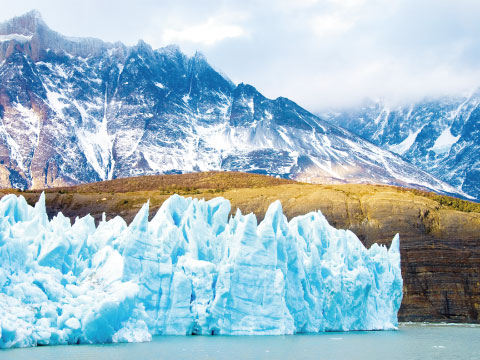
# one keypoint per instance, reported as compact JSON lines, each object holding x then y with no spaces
{"x":439,"y":135}
{"x":77,"y":110}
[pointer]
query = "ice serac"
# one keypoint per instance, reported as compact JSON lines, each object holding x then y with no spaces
{"x":189,"y":270}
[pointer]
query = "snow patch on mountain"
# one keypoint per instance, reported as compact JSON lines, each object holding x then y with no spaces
{"x":16,"y":37}
{"x":445,"y":141}
{"x":406,"y":144}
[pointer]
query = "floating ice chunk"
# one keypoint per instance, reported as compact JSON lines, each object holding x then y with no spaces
{"x":133,"y":331}
{"x":190,"y":270}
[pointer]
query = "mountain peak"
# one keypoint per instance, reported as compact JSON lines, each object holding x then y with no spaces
{"x":170,"y":50}
{"x":31,"y":28}
{"x":33,"y":14}
{"x":26,"y":24}
{"x":199,"y":56}
{"x":143,"y":47}
{"x":246,"y":89}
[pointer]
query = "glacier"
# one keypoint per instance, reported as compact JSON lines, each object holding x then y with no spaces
{"x":191,"y":269}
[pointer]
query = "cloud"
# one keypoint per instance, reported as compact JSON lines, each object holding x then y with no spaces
{"x":331,"y":25}
{"x":209,"y":33}
{"x":347,"y":4}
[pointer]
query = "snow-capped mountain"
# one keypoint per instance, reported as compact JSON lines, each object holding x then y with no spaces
{"x":76,"y":110}
{"x":441,"y":136}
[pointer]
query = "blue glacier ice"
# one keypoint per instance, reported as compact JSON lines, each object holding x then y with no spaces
{"x":192,"y":269}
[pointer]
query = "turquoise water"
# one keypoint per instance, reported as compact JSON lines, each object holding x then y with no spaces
{"x":411,"y":341}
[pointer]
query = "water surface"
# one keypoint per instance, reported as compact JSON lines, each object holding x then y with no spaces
{"x":411,"y":341}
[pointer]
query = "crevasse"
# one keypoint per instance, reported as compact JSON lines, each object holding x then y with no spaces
{"x":190,"y":270}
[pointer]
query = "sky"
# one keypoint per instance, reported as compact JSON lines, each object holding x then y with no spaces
{"x":323,"y":54}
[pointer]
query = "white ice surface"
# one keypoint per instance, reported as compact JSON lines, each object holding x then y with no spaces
{"x":403,"y":147}
{"x":444,"y":142}
{"x":190,"y":270}
{"x":16,"y":37}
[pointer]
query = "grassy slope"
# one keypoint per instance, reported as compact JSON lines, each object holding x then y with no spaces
{"x":249,"y":192}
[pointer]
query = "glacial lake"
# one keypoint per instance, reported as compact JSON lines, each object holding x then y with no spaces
{"x":410,"y":342}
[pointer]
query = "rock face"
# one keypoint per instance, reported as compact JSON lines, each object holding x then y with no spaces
{"x":441,"y":136}
{"x":190,"y":270}
{"x":81,"y":110}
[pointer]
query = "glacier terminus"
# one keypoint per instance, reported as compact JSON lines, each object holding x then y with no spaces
{"x":191,"y":269}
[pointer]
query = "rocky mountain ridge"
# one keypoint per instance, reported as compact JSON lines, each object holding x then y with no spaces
{"x":80,"y":110}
